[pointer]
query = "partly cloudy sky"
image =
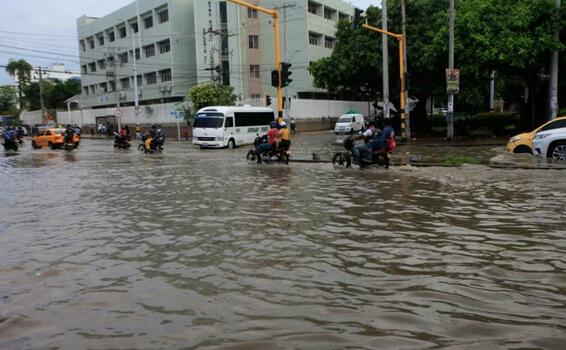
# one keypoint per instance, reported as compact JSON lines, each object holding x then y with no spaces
{"x":44,"y":31}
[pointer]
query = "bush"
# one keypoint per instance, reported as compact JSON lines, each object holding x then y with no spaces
{"x":498,"y":123}
{"x":455,"y":159}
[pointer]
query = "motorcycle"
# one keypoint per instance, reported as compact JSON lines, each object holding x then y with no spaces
{"x":10,"y":144}
{"x":69,"y":144}
{"x":154,"y":149}
{"x":379,"y":157}
{"x":121,"y":142}
{"x":281,"y":155}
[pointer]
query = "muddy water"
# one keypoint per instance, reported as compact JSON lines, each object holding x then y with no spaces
{"x":190,"y":249}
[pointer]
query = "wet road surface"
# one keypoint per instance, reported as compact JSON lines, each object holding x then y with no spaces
{"x":188,"y":249}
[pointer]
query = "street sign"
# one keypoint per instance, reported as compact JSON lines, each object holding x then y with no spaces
{"x":118,"y":113}
{"x":179,"y":107}
{"x":452,"y":81}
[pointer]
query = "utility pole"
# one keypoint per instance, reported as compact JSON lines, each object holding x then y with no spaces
{"x":553,"y":85}
{"x":450,"y":114}
{"x":136,"y":97}
{"x":284,"y":8}
{"x":385,"y":56}
{"x":492,"y":92}
{"x":41,"y":95}
{"x":406,"y":91}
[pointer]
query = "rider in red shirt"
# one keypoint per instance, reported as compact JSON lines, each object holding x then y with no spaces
{"x":271,"y":141}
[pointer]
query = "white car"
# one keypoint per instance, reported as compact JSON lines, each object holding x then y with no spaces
{"x":551,"y":143}
{"x":349,"y":123}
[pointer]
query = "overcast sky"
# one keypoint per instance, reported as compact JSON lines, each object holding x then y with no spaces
{"x":44,"y":31}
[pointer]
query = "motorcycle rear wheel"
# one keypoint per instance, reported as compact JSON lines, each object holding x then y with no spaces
{"x":250,"y":156}
{"x":341,"y":160}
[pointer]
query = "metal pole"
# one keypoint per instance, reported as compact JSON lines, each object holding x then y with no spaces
{"x":41,"y":95}
{"x":492,"y":92}
{"x":450,"y":114}
{"x":405,"y":90}
{"x":402,"y":76}
{"x":136,"y":97}
{"x":385,"y":55}
{"x":553,"y":84}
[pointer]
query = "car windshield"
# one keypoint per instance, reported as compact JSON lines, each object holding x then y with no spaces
{"x":209,"y":120}
{"x":345,"y":120}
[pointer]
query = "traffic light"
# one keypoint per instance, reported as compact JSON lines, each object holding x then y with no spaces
{"x":286,"y":74}
{"x":267,"y":100}
{"x":275,"y":78}
{"x":357,"y":23}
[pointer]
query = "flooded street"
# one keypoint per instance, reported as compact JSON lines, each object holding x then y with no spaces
{"x":191,"y":249}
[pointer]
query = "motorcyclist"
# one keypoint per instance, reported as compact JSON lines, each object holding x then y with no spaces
{"x":68,"y":134}
{"x":367,"y":136}
{"x":271,"y":141}
{"x":384,"y":140}
{"x":9,"y":134}
{"x":283,"y":138}
{"x":20,"y":134}
{"x":122,"y":136}
{"x":159,"y":137}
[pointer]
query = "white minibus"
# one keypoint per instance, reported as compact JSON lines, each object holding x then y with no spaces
{"x":230,"y":126}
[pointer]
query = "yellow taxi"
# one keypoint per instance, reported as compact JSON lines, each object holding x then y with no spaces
{"x":522,"y":143}
{"x":51,"y":137}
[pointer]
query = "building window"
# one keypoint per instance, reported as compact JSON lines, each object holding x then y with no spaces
{"x":85,"y":90}
{"x":90,"y":42}
{"x":82,"y":45}
{"x":165,"y":75}
{"x":164,"y":46}
{"x":163,"y":15}
{"x":254,"y":71}
{"x":314,"y":8}
{"x":125,"y":83}
{"x":314,"y":39}
{"x":100,"y":38}
{"x":123,"y":57}
{"x":330,"y":13}
{"x":252,"y":13}
{"x":151,"y":78}
{"x":343,"y":17}
{"x":254,"y":41}
{"x":112,"y":86}
{"x":149,"y":50}
{"x":93,"y":89}
{"x":92,"y":67}
{"x":134,"y":25}
{"x":111,"y":36}
{"x":255,"y":97}
{"x":148,"y":22}
{"x":329,"y":43}
{"x":103,"y":87}
{"x":137,"y":54}
{"x":122,"y":32}
{"x":140,"y":80}
{"x":83,"y":69}
{"x":102,"y":64}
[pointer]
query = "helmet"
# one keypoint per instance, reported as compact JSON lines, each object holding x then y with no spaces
{"x":273,"y":125}
{"x":283,"y":124}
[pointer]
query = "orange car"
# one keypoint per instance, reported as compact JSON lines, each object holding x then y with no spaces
{"x":52,"y":138}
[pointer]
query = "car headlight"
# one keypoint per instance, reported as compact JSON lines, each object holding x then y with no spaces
{"x":539,"y":137}
{"x":219,"y":138}
{"x":515,"y":138}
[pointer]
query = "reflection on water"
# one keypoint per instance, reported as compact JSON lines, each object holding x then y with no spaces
{"x":190,"y":249}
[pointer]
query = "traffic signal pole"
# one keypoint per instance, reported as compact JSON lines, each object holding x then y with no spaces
{"x":401,"y":40}
{"x":275,"y":16}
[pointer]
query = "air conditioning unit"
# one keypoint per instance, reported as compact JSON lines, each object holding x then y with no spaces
{"x":168,"y":88}
{"x":122,"y":95}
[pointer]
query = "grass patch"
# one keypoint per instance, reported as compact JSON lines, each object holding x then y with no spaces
{"x":456,"y":159}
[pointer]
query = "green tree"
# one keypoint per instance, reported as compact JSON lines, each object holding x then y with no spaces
{"x":355,"y":63}
{"x":60,"y":92}
{"x":211,"y":95}
{"x":7,"y":100}
{"x":21,"y":70}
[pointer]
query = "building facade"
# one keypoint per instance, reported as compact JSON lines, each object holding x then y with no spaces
{"x":181,"y":43}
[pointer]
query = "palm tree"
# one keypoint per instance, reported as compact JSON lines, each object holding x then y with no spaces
{"x":21,"y":70}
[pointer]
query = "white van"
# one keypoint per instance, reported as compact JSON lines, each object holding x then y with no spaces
{"x":230,"y":126}
{"x":349,"y":123}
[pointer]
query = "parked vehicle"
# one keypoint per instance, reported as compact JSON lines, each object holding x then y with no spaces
{"x":349,"y":123}
{"x":230,"y":126}
{"x":522,"y":143}
{"x":551,"y":143}
{"x":380,"y":157}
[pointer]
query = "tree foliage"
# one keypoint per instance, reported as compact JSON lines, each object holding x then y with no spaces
{"x":54,"y":93}
{"x":211,"y":95}
{"x":21,"y":70}
{"x":512,"y":37}
{"x":7,"y":100}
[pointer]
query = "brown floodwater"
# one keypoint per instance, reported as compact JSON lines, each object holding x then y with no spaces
{"x":192,"y":249}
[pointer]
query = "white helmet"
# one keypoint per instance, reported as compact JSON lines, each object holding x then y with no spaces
{"x":282,"y":124}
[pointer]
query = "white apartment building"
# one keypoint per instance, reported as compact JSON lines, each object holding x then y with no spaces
{"x":181,"y":43}
{"x":56,"y":71}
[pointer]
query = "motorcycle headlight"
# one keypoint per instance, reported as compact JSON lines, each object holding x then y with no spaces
{"x":539,"y":137}
{"x":515,"y":138}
